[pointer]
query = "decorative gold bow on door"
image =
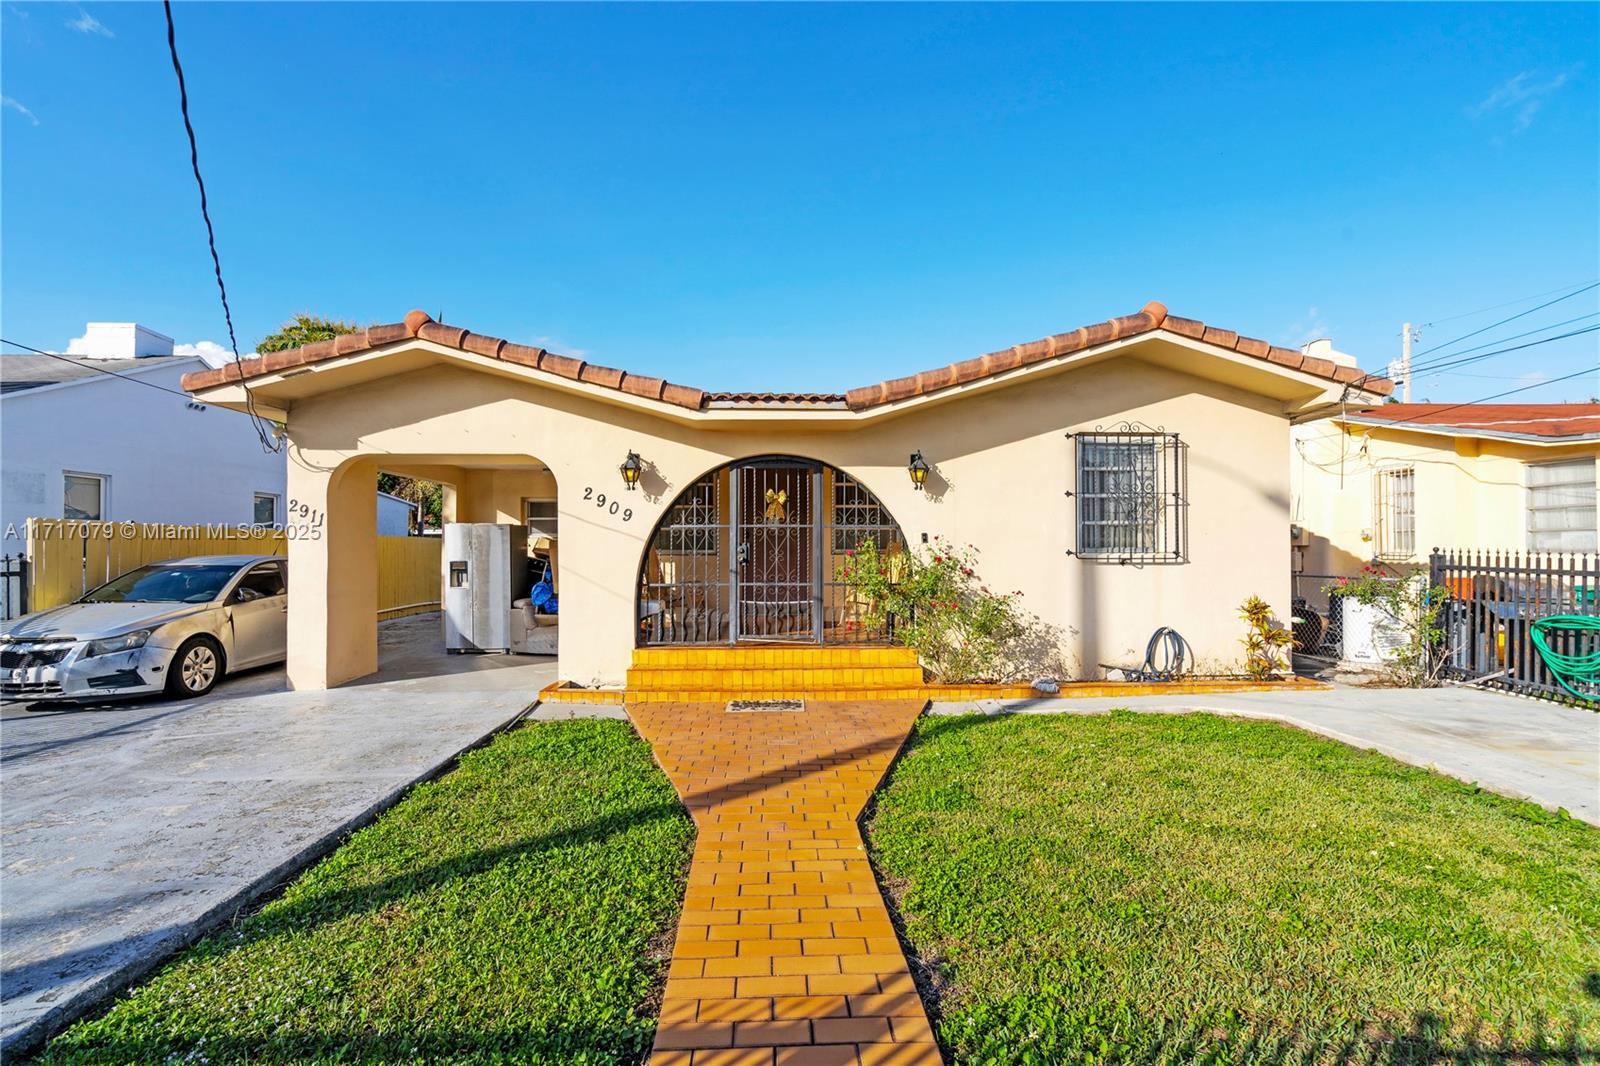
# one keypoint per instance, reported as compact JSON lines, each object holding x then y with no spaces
{"x":776,"y":498}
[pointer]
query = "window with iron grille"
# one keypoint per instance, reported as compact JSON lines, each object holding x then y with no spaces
{"x":858,"y":516}
{"x":1394,"y":509}
{"x":1561,"y":506}
{"x":693,"y":521}
{"x":1131,"y":496}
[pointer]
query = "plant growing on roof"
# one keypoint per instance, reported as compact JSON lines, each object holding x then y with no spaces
{"x":304,"y":329}
{"x":962,"y":632}
{"x":1264,"y":640}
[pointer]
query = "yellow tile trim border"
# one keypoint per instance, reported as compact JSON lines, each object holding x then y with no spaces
{"x":776,"y":687}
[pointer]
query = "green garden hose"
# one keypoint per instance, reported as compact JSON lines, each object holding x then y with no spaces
{"x":1580,"y":669}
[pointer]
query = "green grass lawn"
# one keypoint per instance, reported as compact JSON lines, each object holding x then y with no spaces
{"x":519,"y":909}
{"x":1144,"y":888}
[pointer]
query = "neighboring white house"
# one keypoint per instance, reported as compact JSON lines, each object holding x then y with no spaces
{"x":93,"y":435}
{"x":396,"y":517}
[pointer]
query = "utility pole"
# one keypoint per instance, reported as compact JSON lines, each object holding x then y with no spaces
{"x":1405,"y":363}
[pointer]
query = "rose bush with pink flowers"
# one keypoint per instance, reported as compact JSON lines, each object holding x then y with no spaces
{"x":962,"y":631}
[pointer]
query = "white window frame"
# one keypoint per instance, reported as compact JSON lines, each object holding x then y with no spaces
{"x":1529,"y":508}
{"x":1394,"y":533}
{"x":105,"y":494}
{"x":553,"y":518}
{"x":277,"y":508}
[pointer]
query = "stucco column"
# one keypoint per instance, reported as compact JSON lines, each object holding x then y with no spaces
{"x":599,"y":563}
{"x":333,"y":578}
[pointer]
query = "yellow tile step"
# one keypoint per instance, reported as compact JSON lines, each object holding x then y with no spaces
{"x":786,"y":656}
{"x":715,"y":695}
{"x":821,"y":677}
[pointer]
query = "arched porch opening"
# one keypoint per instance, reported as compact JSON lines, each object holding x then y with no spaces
{"x":750,"y":552}
{"x":364,"y":604}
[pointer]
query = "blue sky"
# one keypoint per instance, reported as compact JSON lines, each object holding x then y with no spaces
{"x":812,"y":196}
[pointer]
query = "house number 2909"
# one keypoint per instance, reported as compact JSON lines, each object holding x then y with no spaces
{"x":608,"y":505}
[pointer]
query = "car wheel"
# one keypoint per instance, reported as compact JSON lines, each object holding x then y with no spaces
{"x":196,"y":669}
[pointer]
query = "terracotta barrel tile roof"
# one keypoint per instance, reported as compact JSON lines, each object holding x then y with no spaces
{"x":418,"y":324}
{"x":776,"y":399}
{"x":1151,"y":318}
{"x":1550,"y":420}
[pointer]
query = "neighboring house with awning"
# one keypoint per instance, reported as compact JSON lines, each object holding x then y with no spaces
{"x":1393,"y":482}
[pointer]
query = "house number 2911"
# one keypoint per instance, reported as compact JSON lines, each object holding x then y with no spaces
{"x":606,"y":504}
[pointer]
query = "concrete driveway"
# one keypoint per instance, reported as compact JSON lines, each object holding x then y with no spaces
{"x":1530,"y":749}
{"x":127,"y":827}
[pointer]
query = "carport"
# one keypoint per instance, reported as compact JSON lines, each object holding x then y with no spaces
{"x":333,"y":534}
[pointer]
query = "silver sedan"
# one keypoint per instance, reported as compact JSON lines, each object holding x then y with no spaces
{"x":173,"y":627}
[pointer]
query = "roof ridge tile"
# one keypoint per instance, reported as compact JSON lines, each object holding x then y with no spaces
{"x":1152,"y":317}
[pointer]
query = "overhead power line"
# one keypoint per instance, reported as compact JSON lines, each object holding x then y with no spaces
{"x":1449,"y":362}
{"x":1501,"y":340}
{"x":1512,"y":318}
{"x":1496,"y":307}
{"x":269,"y":440}
{"x":105,"y":370}
{"x":1442,"y":367}
{"x":1486,"y":399}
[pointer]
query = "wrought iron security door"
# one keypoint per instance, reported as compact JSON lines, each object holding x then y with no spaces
{"x":753,"y":552}
{"x":776,"y":551}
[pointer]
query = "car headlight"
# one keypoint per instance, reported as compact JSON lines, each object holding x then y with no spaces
{"x":112,"y":645}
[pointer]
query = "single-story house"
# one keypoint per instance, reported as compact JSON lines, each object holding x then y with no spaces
{"x":1125,"y":475}
{"x":1393,"y":482}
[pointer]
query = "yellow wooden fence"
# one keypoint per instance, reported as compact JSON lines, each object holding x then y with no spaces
{"x":67,"y":558}
{"x":408,"y":575}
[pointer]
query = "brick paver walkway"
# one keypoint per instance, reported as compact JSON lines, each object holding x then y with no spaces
{"x":785,"y":954}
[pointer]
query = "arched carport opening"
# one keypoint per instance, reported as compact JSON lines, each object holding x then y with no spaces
{"x":382,"y":596}
{"x":750,"y":552}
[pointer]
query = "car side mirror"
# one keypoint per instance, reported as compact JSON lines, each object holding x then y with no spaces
{"x":244,"y":594}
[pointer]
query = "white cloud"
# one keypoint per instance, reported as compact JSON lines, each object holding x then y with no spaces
{"x":1522,"y":95}
{"x":210,"y":352}
{"x":213,"y":354}
{"x":1310,"y":327}
{"x":554,"y":344}
{"x":87,"y":23}
{"x":6,"y":101}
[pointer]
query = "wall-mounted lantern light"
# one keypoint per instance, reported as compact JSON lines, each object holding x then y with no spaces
{"x":631,"y":469}
{"x":918,"y":469}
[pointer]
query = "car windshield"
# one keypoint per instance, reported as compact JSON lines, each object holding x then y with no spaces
{"x":164,"y":584}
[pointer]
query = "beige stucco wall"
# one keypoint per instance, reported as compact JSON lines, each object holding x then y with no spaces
{"x":1003,"y":465}
{"x":1471,"y":492}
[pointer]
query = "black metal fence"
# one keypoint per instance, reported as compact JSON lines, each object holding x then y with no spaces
{"x":1494,"y":599}
{"x":13,"y":586}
